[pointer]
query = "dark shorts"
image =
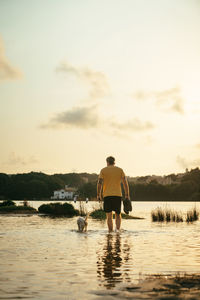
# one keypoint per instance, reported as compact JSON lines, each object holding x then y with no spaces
{"x":112,"y":203}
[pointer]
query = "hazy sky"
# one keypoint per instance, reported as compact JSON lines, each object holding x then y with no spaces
{"x":82,"y":80}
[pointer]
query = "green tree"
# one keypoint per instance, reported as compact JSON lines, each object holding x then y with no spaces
{"x":4,"y":185}
{"x":88,"y":190}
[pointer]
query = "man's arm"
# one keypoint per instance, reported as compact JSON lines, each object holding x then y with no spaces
{"x":126,"y":187}
{"x":99,"y":187}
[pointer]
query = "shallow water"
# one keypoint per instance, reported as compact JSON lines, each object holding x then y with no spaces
{"x":46,"y":258}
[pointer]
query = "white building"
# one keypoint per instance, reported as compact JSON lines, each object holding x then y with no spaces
{"x":66,"y":193}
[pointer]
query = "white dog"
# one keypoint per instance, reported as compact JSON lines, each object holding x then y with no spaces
{"x":82,"y":224}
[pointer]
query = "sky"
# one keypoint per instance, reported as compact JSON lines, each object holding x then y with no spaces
{"x":83,"y":80}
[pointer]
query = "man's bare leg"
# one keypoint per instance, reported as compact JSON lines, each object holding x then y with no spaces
{"x":109,"y":221}
{"x":118,"y":221}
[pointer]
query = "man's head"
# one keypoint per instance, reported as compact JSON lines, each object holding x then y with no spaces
{"x":110,"y":160}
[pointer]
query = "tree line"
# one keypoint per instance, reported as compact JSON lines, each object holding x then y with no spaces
{"x":38,"y":186}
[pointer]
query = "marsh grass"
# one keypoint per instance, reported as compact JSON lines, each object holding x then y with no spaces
{"x":82,"y":209}
{"x":192,"y":215}
{"x":167,"y":215}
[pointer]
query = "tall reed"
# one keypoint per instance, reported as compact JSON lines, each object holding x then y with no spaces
{"x":82,"y":209}
{"x":192,"y":215}
{"x":165,"y":215}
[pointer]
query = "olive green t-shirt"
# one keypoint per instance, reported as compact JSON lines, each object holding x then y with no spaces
{"x":112,"y":178}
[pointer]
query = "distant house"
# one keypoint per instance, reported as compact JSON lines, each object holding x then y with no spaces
{"x":63,"y":194}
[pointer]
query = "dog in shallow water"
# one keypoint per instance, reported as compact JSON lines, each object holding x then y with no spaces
{"x":82,"y":224}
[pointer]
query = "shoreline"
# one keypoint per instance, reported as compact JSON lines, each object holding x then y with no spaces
{"x":158,"y":287}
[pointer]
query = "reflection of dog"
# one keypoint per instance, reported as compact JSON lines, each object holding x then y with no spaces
{"x":82,"y":224}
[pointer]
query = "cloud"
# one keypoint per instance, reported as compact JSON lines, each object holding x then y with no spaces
{"x":141,"y":95}
{"x":133,"y":125}
{"x":87,"y":117}
{"x":7,"y":71}
{"x":169,"y":100}
{"x":16,"y":160}
{"x":78,"y":117}
{"x":97,"y":82}
{"x":184,"y":163}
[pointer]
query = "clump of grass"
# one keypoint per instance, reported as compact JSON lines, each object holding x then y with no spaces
{"x":158,"y":215}
{"x":17,"y":209}
{"x":9,"y":206}
{"x":7,"y":203}
{"x":161,"y":215}
{"x":176,"y":217}
{"x":98,"y":214}
{"x":58,"y":209}
{"x":166,"y":215}
{"x":192,"y":215}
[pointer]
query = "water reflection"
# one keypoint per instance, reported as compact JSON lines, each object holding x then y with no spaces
{"x":113,"y":261}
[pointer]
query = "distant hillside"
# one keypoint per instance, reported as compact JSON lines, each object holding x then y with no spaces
{"x":33,"y":185}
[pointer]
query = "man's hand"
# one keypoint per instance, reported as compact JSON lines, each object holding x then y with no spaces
{"x":126,"y":187}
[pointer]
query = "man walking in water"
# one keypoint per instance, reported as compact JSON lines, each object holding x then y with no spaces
{"x":110,"y":179}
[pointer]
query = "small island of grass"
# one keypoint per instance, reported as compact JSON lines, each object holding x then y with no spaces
{"x":58,"y":209}
{"x":101,"y":215}
{"x":9,"y":207}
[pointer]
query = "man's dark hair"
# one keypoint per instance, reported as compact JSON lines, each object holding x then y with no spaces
{"x":110,"y":160}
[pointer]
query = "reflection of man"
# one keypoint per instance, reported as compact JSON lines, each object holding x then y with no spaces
{"x":110,"y":261}
{"x":110,"y":179}
{"x":113,"y":260}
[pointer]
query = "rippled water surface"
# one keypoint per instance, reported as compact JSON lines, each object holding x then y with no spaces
{"x":46,"y":258}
